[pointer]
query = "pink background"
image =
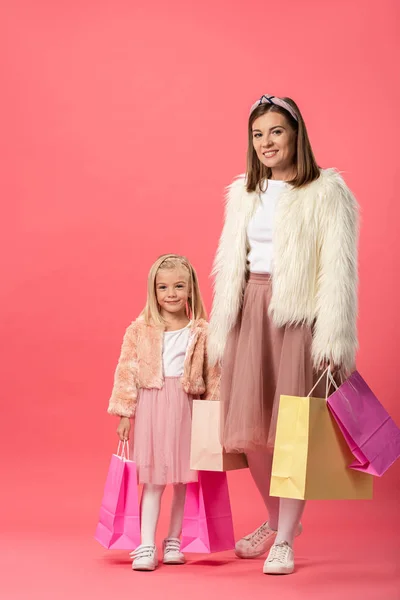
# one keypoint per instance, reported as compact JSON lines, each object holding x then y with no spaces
{"x":121,"y":124}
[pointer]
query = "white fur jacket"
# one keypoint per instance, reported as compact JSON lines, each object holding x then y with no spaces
{"x":140,"y":366}
{"x":314,"y":266}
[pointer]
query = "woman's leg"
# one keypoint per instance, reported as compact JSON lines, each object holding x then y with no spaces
{"x":260,"y":464}
{"x":290,"y":512}
{"x":150,"y":511}
{"x":177,"y":508}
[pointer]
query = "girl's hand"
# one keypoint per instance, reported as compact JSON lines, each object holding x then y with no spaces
{"x":124,"y":428}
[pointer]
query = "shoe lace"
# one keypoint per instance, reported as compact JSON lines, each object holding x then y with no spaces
{"x":172,"y":545}
{"x":279,"y":552}
{"x":260,"y":534}
{"x":143,"y":552}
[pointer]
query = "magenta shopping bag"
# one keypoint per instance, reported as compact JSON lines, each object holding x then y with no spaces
{"x":119,"y":522}
{"x":371,"y":434}
{"x":207,"y":523}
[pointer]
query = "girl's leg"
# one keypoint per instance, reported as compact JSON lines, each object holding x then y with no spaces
{"x":260,"y":464}
{"x":178,"y":505}
{"x":290,"y":512}
{"x":172,"y":545}
{"x":150,"y":511}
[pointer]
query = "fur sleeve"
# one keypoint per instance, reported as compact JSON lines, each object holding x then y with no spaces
{"x":335,"y":332}
{"x":229,"y":271}
{"x":124,"y":394}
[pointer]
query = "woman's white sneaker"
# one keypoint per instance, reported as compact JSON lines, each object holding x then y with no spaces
{"x":280,"y":560}
{"x":260,"y":541}
{"x":144,"y":558}
{"x":172,"y":552}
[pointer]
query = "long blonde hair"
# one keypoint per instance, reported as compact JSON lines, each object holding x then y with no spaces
{"x":306,"y":166}
{"x":195,"y":306}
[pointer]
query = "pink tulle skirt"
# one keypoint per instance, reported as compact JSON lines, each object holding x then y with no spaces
{"x":261,"y":362}
{"x":161,"y":441}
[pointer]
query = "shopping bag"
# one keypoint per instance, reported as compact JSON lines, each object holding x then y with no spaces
{"x":207,"y":522}
{"x":371,"y":434}
{"x":311,"y":456}
{"x":119,"y":522}
{"x":206,"y":452}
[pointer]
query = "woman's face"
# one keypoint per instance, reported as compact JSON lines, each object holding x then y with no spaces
{"x":274,"y":141}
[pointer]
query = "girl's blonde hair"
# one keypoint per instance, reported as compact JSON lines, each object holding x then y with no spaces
{"x":195,"y":306}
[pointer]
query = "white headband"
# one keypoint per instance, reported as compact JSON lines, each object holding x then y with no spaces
{"x":267,"y":99}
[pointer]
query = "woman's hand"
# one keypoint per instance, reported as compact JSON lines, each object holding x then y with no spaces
{"x":124,"y":428}
{"x":329,"y":364}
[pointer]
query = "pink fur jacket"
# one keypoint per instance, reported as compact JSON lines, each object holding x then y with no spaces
{"x":140,"y":366}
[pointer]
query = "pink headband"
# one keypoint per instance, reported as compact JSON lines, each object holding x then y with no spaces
{"x":267,"y":99}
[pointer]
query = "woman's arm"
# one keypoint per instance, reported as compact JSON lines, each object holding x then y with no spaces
{"x":335,"y":331}
{"x":229,"y":269}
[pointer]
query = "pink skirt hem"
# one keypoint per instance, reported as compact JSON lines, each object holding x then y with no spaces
{"x":162,"y":433}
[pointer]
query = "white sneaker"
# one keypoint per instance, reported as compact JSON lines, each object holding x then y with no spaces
{"x":257,"y":543}
{"x":144,"y":558}
{"x":280,"y":560}
{"x":172,"y":552}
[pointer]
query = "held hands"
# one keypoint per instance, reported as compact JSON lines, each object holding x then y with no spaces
{"x":124,"y":428}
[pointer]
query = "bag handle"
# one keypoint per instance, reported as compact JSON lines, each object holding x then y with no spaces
{"x":329,"y":381}
{"x":332,"y":380}
{"x":344,"y":397}
{"x":327,"y":370}
{"x":123,"y":450}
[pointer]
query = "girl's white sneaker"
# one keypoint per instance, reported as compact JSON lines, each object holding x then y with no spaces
{"x":172,"y":552}
{"x":144,"y":558}
{"x":280,"y":560}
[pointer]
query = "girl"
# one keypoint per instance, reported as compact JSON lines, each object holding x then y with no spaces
{"x":162,"y":367}
{"x":285,"y":300}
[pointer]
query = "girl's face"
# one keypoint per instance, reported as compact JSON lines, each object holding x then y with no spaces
{"x":274,"y":141}
{"x":172,"y":291}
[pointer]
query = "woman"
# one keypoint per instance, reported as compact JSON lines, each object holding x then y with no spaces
{"x":285,"y":300}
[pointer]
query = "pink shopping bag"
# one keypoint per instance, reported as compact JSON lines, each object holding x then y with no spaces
{"x":371,"y":434}
{"x":207,"y":523}
{"x":119,"y":522}
{"x":206,"y":452}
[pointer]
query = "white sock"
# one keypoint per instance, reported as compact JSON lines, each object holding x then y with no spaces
{"x":260,"y":464}
{"x":177,"y":508}
{"x":150,"y":511}
{"x":290,"y":512}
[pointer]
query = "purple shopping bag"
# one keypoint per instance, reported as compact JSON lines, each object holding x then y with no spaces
{"x":371,"y":434}
{"x":207,"y":523}
{"x":119,"y":522}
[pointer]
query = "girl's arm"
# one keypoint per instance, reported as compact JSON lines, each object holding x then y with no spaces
{"x":125,"y":390}
{"x":213,"y":382}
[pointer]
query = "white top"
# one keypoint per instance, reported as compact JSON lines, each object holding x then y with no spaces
{"x":174,"y":351}
{"x":261,"y":226}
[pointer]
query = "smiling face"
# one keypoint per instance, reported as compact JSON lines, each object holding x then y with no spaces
{"x":274,"y":141}
{"x":172,"y":291}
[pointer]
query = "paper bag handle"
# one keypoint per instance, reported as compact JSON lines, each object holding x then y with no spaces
{"x":329,"y":381}
{"x":123,"y":450}
{"x":327,"y":370}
